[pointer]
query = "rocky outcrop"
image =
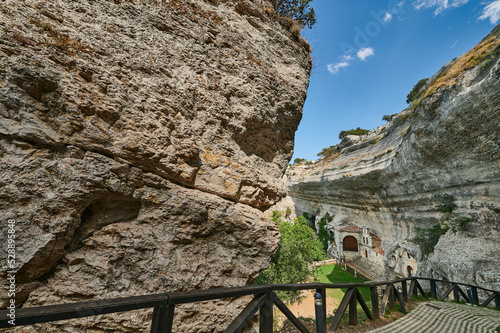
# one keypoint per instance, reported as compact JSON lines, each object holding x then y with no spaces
{"x":140,"y":143}
{"x":446,"y":143}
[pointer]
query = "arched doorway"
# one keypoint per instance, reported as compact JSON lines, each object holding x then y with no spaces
{"x":409,"y":270}
{"x":350,"y":244}
{"x":366,"y":254}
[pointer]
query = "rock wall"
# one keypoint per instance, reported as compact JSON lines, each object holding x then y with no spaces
{"x":140,"y":144}
{"x":448,"y":143}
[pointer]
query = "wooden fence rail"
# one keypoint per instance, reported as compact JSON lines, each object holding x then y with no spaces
{"x":264,"y":298}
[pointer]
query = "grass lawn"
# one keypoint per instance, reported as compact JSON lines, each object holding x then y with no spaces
{"x":335,"y":274}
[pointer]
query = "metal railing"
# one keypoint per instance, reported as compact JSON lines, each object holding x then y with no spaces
{"x":264,"y":298}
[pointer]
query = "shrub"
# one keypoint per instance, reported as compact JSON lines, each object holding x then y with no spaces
{"x":447,"y":204}
{"x":388,"y":117}
{"x":328,"y":151}
{"x":323,"y":234}
{"x":427,"y":238}
{"x":297,"y":10}
{"x":299,"y":160}
{"x":288,"y":211}
{"x":415,"y":92}
{"x":298,"y":247}
{"x":355,"y":131}
{"x":459,"y":223}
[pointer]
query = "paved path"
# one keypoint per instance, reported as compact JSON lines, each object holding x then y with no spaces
{"x":445,"y":317}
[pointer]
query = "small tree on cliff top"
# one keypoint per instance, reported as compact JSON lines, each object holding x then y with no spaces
{"x":297,"y":10}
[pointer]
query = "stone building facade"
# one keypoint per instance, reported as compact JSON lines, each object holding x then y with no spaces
{"x":353,"y":241}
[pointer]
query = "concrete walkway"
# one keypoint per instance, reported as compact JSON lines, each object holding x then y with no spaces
{"x":445,"y":317}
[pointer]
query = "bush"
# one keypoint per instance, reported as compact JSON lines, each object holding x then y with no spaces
{"x":355,"y":131}
{"x":415,"y":92}
{"x":297,"y":10}
{"x":447,"y":204}
{"x":427,"y":239}
{"x":328,"y":151}
{"x":299,"y":160}
{"x":298,"y":247}
{"x":459,"y":223}
{"x":390,"y":117}
{"x":323,"y":234}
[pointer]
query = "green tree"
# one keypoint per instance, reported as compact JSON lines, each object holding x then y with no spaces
{"x":415,"y":92}
{"x":299,"y":160}
{"x":297,"y":10}
{"x":354,"y":131}
{"x":298,"y":247}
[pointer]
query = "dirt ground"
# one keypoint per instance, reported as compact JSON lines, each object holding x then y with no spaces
{"x":306,"y":308}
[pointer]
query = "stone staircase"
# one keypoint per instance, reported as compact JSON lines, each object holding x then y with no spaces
{"x":367,"y":268}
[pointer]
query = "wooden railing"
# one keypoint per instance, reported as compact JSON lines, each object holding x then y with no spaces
{"x":396,"y":291}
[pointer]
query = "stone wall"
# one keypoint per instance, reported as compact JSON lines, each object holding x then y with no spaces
{"x":140,"y":143}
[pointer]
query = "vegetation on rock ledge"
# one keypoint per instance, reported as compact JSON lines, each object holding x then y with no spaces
{"x":297,"y":10}
{"x":427,"y":238}
{"x":354,"y":131}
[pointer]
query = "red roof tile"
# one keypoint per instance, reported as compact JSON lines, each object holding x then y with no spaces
{"x":354,"y":228}
{"x":379,"y":249}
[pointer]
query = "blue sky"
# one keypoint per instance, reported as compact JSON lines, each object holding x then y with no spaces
{"x":368,"y":55}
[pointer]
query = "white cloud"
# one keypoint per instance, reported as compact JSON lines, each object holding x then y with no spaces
{"x":365,"y":52}
{"x":347,"y":57}
{"x":492,"y":12}
{"x":441,"y":5}
{"x":454,"y":44}
{"x":334,"y":68}
{"x":387,"y":17}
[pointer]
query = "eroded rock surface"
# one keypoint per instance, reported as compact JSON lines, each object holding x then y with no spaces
{"x":446,"y":144}
{"x":140,"y":143}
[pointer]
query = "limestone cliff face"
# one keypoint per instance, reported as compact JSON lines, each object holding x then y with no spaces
{"x":447,"y":143}
{"x":140,"y":143}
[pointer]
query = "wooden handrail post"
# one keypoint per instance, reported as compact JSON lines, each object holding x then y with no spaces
{"x":266,"y":315}
{"x":392,"y":296}
{"x":405,"y":290}
{"x":456,"y":295}
{"x":322,"y":291}
{"x":433,"y":289}
{"x":318,"y":310}
{"x":375,"y":305}
{"x":401,"y":300}
{"x":475,"y":299}
{"x":353,"y":309}
{"x":163,"y":318}
{"x":413,"y":289}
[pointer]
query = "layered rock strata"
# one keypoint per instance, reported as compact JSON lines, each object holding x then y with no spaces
{"x":446,"y":145}
{"x":140,"y":143}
